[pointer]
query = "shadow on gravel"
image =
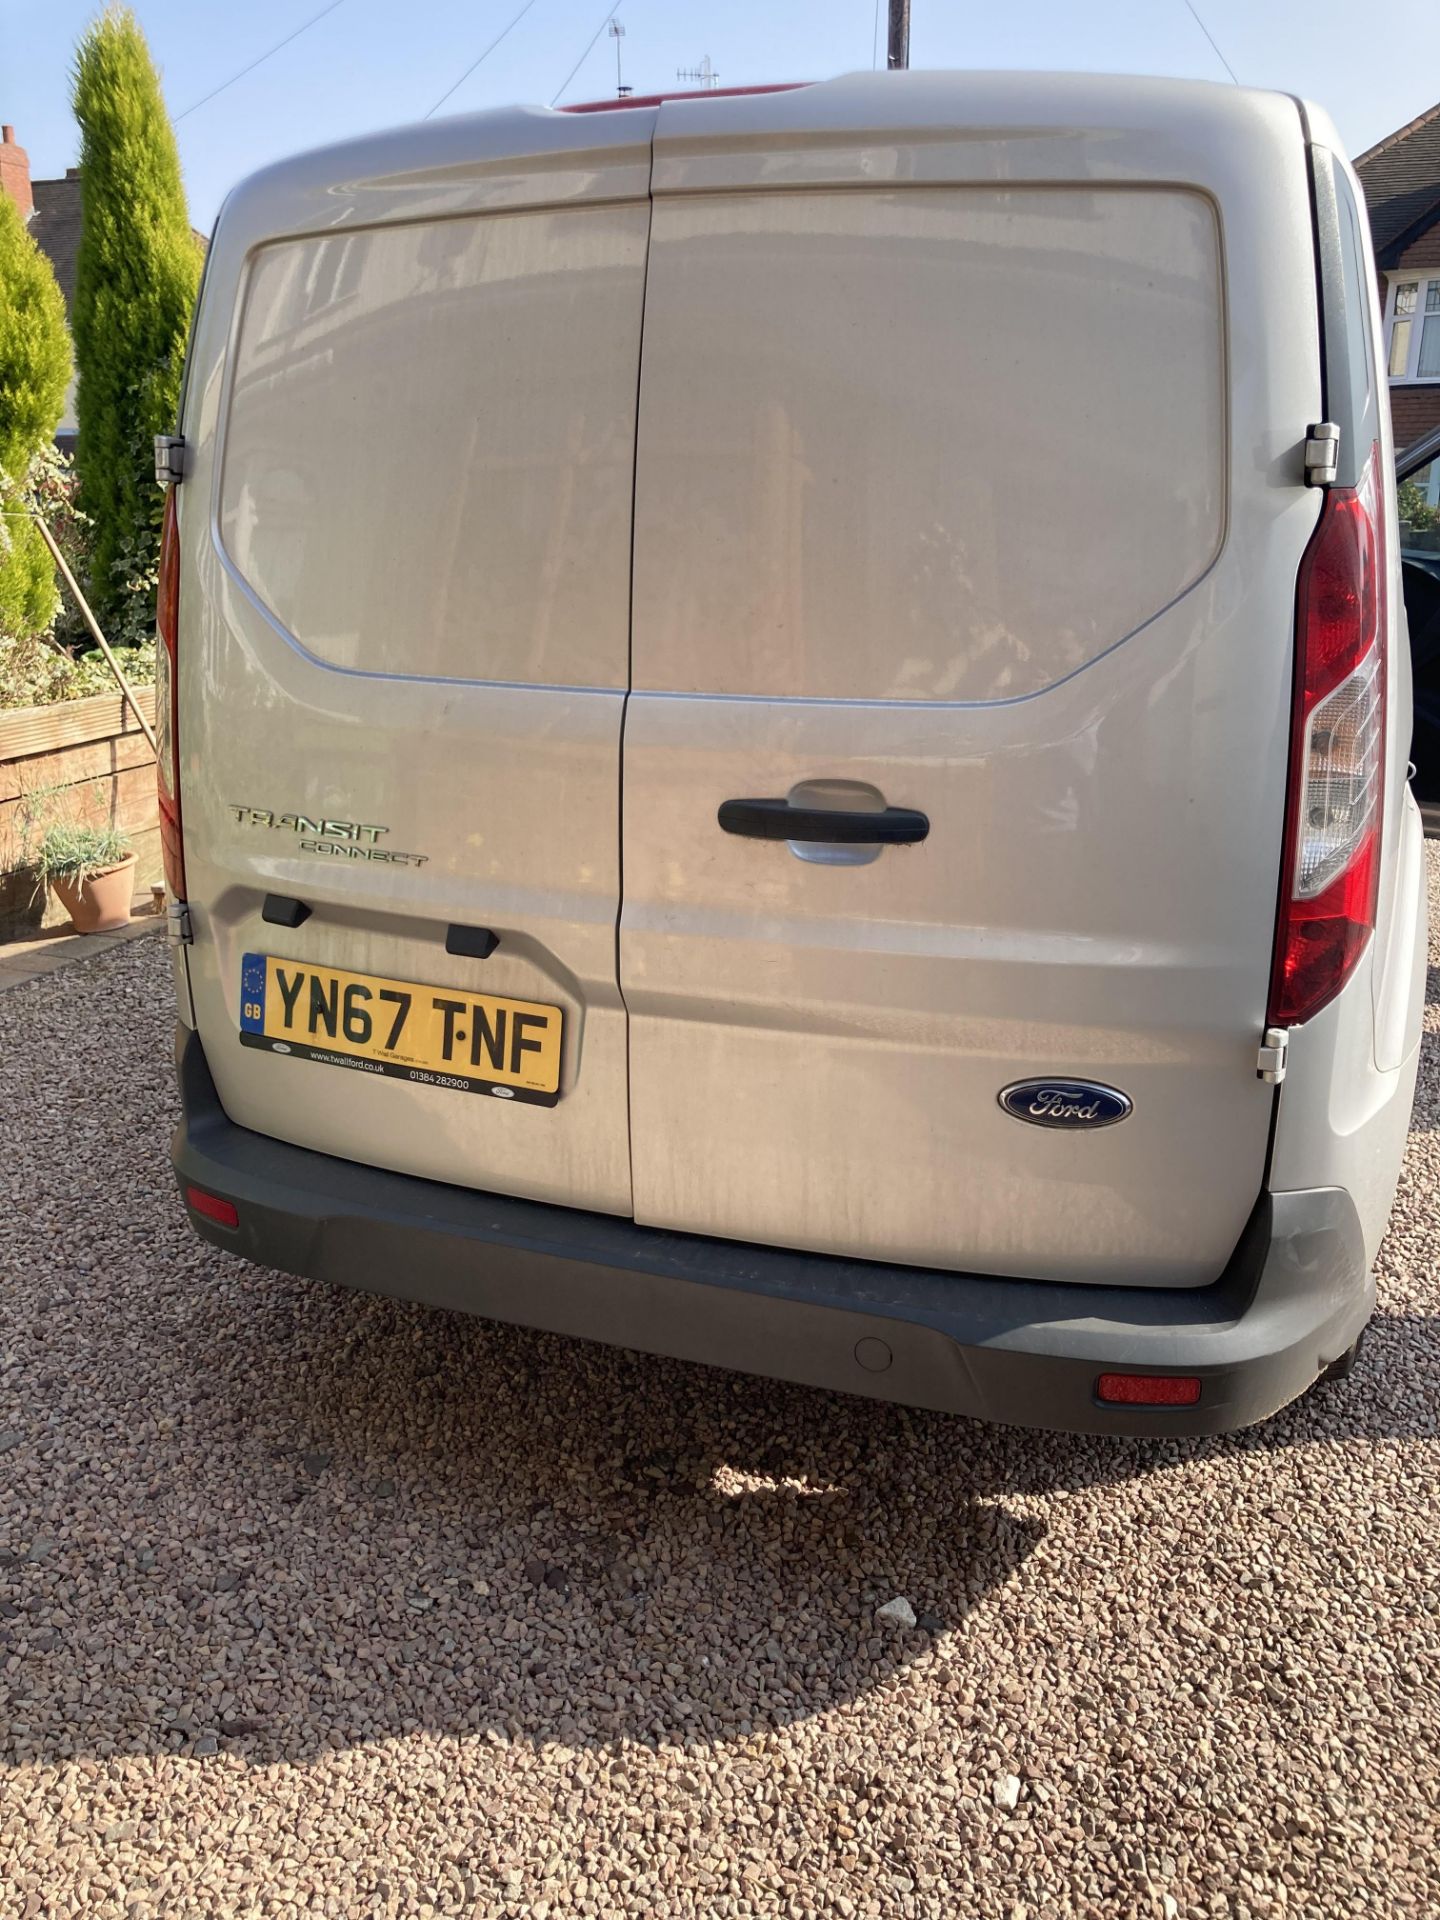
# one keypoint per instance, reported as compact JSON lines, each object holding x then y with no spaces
{"x":308,"y":1518}
{"x":303,"y":1518}
{"x":243,"y":1514}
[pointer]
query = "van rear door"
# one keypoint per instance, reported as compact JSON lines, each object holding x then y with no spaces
{"x":404,"y":632}
{"x":969,"y":485}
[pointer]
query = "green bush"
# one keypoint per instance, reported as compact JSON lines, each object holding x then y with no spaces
{"x":1415,"y":510}
{"x":56,"y":497}
{"x":136,"y":278}
{"x":61,"y":661}
{"x":28,"y":597}
{"x":34,"y":372}
{"x":36,"y":671}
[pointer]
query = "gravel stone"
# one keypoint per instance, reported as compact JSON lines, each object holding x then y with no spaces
{"x":1006,"y":1792}
{"x":238,"y":1727}
{"x":897,"y":1612}
{"x":1212,"y":1663}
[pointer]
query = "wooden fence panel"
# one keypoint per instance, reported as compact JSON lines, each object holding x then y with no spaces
{"x":25,"y":731}
{"x":80,"y":760}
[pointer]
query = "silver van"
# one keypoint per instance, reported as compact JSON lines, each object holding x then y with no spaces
{"x":787,"y":740}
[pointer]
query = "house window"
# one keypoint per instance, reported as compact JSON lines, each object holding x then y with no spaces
{"x":1412,"y":329}
{"x":1428,"y":482}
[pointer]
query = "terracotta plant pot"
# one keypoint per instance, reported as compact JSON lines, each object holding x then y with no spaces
{"x":101,"y":901}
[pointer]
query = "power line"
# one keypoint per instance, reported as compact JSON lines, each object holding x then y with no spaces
{"x":875,"y":39}
{"x":609,"y":14}
{"x":1211,"y":38}
{"x":260,"y":60}
{"x":484,"y":56}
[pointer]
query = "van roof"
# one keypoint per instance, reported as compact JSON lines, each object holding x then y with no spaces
{"x":632,"y":100}
{"x":1027,"y":121}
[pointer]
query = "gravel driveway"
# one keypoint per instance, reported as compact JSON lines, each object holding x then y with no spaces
{"x":316,"y":1603}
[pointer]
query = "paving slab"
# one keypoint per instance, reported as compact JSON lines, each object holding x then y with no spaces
{"x":22,"y":960}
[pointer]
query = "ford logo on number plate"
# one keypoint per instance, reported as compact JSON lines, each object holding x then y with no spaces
{"x":1064,"y":1103}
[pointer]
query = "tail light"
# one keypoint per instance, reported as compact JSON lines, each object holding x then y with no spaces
{"x":167,"y":694}
{"x":1331,"y":871}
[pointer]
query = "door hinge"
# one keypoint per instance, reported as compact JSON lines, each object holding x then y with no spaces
{"x":1270,"y":1062}
{"x":169,"y":458}
{"x":1322,"y":454}
{"x":177,"y":918}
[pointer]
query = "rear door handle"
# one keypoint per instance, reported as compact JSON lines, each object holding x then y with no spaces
{"x":778,"y":820}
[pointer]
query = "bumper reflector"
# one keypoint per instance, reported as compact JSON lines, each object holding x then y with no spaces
{"x":1147,"y":1389}
{"x":221,"y":1211}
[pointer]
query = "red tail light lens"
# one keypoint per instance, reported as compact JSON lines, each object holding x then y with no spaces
{"x":223,"y":1212}
{"x":167,"y":685}
{"x":1148,"y":1389}
{"x":1331,"y":871}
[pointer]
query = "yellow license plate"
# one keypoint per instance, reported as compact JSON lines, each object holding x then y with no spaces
{"x":434,"y":1036}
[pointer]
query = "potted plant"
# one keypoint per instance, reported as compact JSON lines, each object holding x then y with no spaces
{"x":92,"y":870}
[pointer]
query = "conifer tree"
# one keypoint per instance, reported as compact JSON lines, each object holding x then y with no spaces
{"x":135,"y":282}
{"x":34,"y":372}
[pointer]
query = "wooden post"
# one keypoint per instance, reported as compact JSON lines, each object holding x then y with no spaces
{"x":94,"y":626}
{"x":899,"y":34}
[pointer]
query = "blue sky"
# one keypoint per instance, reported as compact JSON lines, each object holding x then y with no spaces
{"x":373,"y":63}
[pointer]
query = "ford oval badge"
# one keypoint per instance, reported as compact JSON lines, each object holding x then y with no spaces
{"x":1064,"y":1103}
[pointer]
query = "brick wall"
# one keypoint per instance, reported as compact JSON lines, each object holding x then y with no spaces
{"x":15,"y":172}
{"x":1414,"y":410}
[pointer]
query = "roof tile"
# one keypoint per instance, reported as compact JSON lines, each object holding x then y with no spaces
{"x":1401,"y":178}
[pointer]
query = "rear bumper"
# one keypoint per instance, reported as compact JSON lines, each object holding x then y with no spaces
{"x":1296,"y":1293}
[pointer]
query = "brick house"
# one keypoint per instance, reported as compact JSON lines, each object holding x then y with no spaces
{"x":1401,"y":177}
{"x":52,"y":211}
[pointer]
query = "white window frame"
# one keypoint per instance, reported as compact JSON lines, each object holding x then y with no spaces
{"x":1431,"y":486}
{"x":1421,"y":282}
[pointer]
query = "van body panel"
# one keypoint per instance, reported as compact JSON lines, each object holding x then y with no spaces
{"x":1340,"y":1115}
{"x":823,"y":1046}
{"x":1345,"y":1103}
{"x":1402,"y":892}
{"x":1357,"y":403}
{"x":515,"y":560}
{"x":405,"y":532}
{"x":1399,"y":964}
{"x":817,"y":1046}
{"x":923,"y":508}
{"x":919,"y":441}
{"x":496,"y":162}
